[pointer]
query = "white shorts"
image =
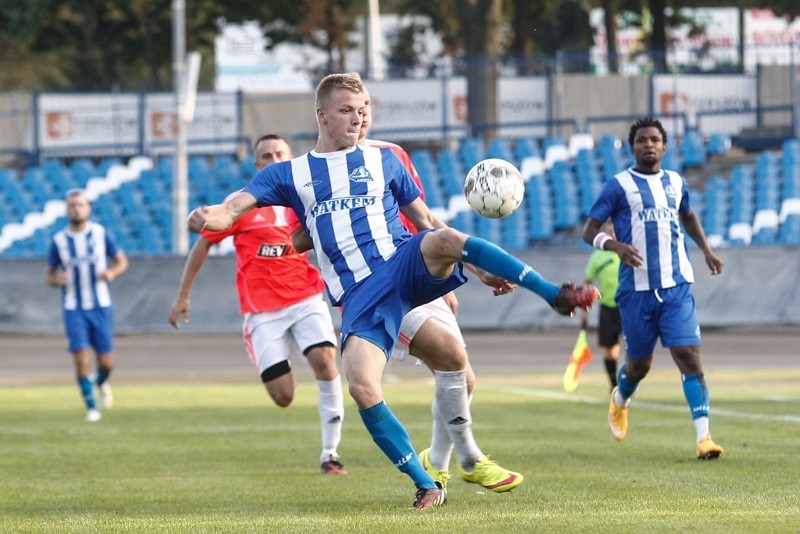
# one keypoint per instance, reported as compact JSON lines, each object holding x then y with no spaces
{"x":412,"y":322}
{"x":267,"y":335}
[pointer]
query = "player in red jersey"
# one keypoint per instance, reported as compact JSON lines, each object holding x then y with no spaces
{"x":280,"y":297}
{"x":427,"y":332}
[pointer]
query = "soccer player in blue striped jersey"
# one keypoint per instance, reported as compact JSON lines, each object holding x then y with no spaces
{"x":79,"y":264}
{"x":348,"y":197}
{"x":650,"y":209}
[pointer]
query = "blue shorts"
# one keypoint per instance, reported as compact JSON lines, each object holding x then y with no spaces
{"x":374,"y":308}
{"x":90,"y":328}
{"x":666,"y":313}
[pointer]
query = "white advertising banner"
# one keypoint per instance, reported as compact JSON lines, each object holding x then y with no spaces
{"x":123,"y":124}
{"x":693,"y":95}
{"x":99,"y":123}
{"x":416,"y":109}
{"x":214,"y":129}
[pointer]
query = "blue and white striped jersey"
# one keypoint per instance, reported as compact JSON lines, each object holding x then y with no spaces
{"x":348,"y":202}
{"x":645,"y":210}
{"x":83,"y":255}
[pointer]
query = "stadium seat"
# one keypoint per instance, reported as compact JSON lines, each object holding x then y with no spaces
{"x":526,"y":146}
{"x":578,"y":142}
{"x":540,"y":212}
{"x":719,"y":143}
{"x":551,"y":140}
{"x":532,"y":166}
{"x":515,"y":229}
{"x":740,"y":234}
{"x":471,"y":152}
{"x":693,"y":149}
{"x":106,"y":164}
{"x":765,"y":227}
{"x":500,"y":148}
{"x":715,"y":219}
{"x":672,"y":159}
{"x":555,"y":153}
{"x":790,"y":230}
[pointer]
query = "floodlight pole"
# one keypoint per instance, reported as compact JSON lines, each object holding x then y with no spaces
{"x":180,"y":178}
{"x":375,"y":71}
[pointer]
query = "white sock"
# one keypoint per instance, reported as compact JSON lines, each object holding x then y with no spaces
{"x":701,"y":425}
{"x":441,"y":444}
{"x":330,"y":404}
{"x":451,"y":397}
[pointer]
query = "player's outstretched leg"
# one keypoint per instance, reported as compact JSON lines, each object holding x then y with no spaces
{"x":497,"y":261}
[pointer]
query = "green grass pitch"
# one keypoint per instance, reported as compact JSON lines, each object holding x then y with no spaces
{"x":222,"y":458}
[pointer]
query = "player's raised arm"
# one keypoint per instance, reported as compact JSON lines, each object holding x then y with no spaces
{"x":220,"y":216}
{"x":421,"y":216}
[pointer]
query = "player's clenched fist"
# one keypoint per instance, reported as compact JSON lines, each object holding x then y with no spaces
{"x":198,"y":219}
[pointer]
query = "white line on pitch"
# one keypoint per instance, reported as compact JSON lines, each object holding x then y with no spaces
{"x":556,"y":395}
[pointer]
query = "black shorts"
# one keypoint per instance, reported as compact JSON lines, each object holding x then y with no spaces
{"x":609,"y":327}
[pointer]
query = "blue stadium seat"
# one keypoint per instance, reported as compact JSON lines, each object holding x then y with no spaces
{"x":471,"y":152}
{"x":500,"y":148}
{"x":719,"y":143}
{"x":540,"y":212}
{"x":565,"y":196}
{"x":672,"y":159}
{"x":248,"y":168}
{"x":38,"y":188}
{"x":790,"y":183}
{"x":515,"y":229}
{"x":224,"y":160}
{"x":742,"y":195}
{"x":693,"y":149}
{"x":107,"y":163}
{"x":715,"y":221}
{"x":464,"y":221}
{"x":526,"y":146}
{"x":551,"y":140}
{"x":489,"y":229}
{"x":790,"y":230}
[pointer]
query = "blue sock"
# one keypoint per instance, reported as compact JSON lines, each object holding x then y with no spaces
{"x":626,"y":386}
{"x":389,"y":434}
{"x":696,"y":393}
{"x":102,"y":376}
{"x":87,"y":391}
{"x":497,"y":261}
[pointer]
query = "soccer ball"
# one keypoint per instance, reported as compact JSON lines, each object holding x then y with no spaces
{"x":494,"y":188}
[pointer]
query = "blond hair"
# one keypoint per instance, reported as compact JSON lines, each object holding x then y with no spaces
{"x":334,"y":82}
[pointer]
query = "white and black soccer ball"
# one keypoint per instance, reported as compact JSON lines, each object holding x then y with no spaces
{"x":494,"y":188}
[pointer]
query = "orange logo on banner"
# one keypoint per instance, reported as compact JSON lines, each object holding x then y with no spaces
{"x":672,"y":103}
{"x":60,"y":124}
{"x":460,"y":108}
{"x":163,"y":124}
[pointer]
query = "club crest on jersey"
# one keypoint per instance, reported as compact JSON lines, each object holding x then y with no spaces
{"x":272,"y":251}
{"x":361,"y":174}
{"x":670,"y":191}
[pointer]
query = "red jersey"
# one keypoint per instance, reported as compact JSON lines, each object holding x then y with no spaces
{"x":405,"y":159}
{"x":270,"y":273}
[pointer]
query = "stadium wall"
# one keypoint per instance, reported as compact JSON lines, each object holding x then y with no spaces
{"x":759,"y":287}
